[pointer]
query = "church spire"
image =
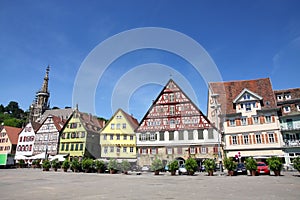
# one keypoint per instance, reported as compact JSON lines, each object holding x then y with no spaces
{"x":44,"y":88}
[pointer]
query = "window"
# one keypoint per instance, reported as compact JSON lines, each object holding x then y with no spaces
{"x":67,"y":147}
{"x":169,"y":150}
{"x":76,"y":147}
{"x":172,"y":98}
{"x":298,"y":107}
{"x":118,"y":136}
{"x":124,"y":137}
{"x":143,"y":136}
{"x":104,"y":137}
{"x":111,"y":137}
{"x":286,"y":109}
{"x":153,"y":151}
{"x":131,"y":137}
{"x":279,"y":97}
{"x":172,"y":110}
{"x":62,"y":146}
{"x":258,"y":138}
{"x":203,"y":150}
{"x":112,"y":126}
{"x":246,"y":96}
{"x":118,"y":126}
{"x":232,"y":122}
{"x":144,"y":151}
{"x":287,"y":96}
{"x":255,"y":120}
{"x":112,"y":149}
{"x":179,"y":150}
{"x":124,"y":125}
{"x":105,"y":150}
{"x":271,"y":137}
{"x":82,"y":134}
{"x":211,"y":133}
{"x":171,"y":135}
{"x":72,"y":147}
{"x":200,"y":135}
{"x":244,"y":121}
{"x":124,"y":149}
{"x":234,"y":140}
{"x":246,"y":139}
{"x":190,"y":135}
{"x":152,"y":136}
{"x":192,"y":150}
{"x":268,"y":119}
{"x":248,"y":106}
{"x":161,"y":136}
{"x":118,"y":149}
{"x":181,"y":137}
{"x":81,"y":147}
{"x":131,"y":149}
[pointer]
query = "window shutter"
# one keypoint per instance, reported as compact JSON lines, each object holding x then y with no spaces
{"x":238,"y":122}
{"x":150,"y":150}
{"x":228,"y":122}
{"x":273,"y":118}
{"x":254,"y":139}
{"x":250,"y":120}
{"x":263,"y":138}
{"x":156,"y":150}
{"x":206,"y":150}
{"x":146,"y":150}
{"x":166,"y":150}
{"x":250,"y":139}
{"x":196,"y":150}
{"x":242,"y":139}
{"x":262,"y":119}
{"x":267,"y":138}
{"x":140,"y":150}
{"x":230,"y":140}
{"x":238,"y":139}
{"x":172,"y":150}
{"x":276,"y":137}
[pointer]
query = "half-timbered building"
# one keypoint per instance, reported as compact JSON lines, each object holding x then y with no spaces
{"x":174,"y":128}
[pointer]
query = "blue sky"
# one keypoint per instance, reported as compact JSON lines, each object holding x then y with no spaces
{"x":245,"y":39}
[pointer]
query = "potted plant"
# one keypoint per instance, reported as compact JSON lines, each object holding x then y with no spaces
{"x":230,"y":165}
{"x":99,"y":166}
{"x":296,"y":163}
{"x":275,"y":164}
{"x":46,"y":165}
{"x":191,"y":166}
{"x":21,"y":163}
{"x":125,"y":166}
{"x":112,"y":166}
{"x":251,"y":165}
{"x":35,"y":163}
{"x":75,"y":165}
{"x":209,"y":165}
{"x":87,"y":164}
{"x":173,"y":166}
{"x":65,"y":165}
{"x":55,"y":164}
{"x":156,"y":166}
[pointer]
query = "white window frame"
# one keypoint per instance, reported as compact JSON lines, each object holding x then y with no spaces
{"x":255,"y":120}
{"x":234,"y":139}
{"x":153,"y":151}
{"x":258,"y":138}
{"x":192,"y":150}
{"x":286,"y":109}
{"x":124,"y":149}
{"x":105,"y":150}
{"x":169,"y":150}
{"x":243,"y":121}
{"x":279,"y":97}
{"x":271,"y":137}
{"x":268,"y":119}
{"x":232,"y":122}
{"x":246,"y":139}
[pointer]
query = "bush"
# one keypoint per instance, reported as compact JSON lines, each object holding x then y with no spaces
{"x":275,"y":163}
{"x":209,"y":165}
{"x":156,"y":165}
{"x":251,"y":164}
{"x":55,"y":164}
{"x":191,"y":165}
{"x":46,"y":165}
{"x":125,"y":165}
{"x":229,"y":164}
{"x":87,"y":164}
{"x":99,"y":165}
{"x":173,"y":165}
{"x":296,"y":163}
{"x":75,"y":165}
{"x":112,"y":164}
{"x":65,"y":165}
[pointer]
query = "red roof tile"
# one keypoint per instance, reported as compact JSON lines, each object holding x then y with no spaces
{"x":13,"y":133}
{"x":228,"y":91}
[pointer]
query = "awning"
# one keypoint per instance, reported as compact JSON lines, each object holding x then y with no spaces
{"x":60,"y":157}
{"x":21,"y":157}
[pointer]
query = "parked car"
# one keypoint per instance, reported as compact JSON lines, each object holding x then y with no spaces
{"x":240,"y":169}
{"x":262,"y":168}
{"x":182,"y":169}
{"x":145,"y":168}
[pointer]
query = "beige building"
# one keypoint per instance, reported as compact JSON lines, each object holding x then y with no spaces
{"x":248,"y":118}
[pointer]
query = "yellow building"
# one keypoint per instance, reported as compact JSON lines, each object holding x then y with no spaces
{"x":118,"y":138}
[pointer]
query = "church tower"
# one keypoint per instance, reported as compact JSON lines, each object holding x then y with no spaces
{"x":41,"y":102}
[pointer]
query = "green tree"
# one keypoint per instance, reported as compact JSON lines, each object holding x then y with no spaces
{"x":14,"y":122}
{"x":13,"y":109}
{"x":296,"y":163}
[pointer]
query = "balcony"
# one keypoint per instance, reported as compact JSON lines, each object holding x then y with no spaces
{"x":291,"y":143}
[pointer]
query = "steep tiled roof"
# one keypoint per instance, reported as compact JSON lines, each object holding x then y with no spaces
{"x":133,"y":122}
{"x":13,"y":133}
{"x":90,"y":122}
{"x":295,"y":92}
{"x":228,"y":91}
{"x":35,"y":126}
{"x":61,"y":113}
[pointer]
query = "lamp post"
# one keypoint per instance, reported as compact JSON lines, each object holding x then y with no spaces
{"x":215,"y":106}
{"x":48,"y":127}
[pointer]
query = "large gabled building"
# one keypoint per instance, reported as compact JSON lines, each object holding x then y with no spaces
{"x":174,"y":128}
{"x":249,"y":117}
{"x":118,"y":139}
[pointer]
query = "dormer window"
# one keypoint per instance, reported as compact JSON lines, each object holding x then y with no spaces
{"x":248,"y":106}
{"x":232,"y":122}
{"x":298,"y":107}
{"x":287,"y":96}
{"x":246,"y":97}
{"x":279,"y":97}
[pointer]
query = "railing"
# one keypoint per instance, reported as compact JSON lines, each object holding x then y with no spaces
{"x":292,"y":143}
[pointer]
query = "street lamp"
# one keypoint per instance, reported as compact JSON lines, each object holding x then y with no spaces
{"x":48,"y":127}
{"x":215,"y":106}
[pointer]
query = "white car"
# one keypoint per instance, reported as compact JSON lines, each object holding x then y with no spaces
{"x":182,"y":169}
